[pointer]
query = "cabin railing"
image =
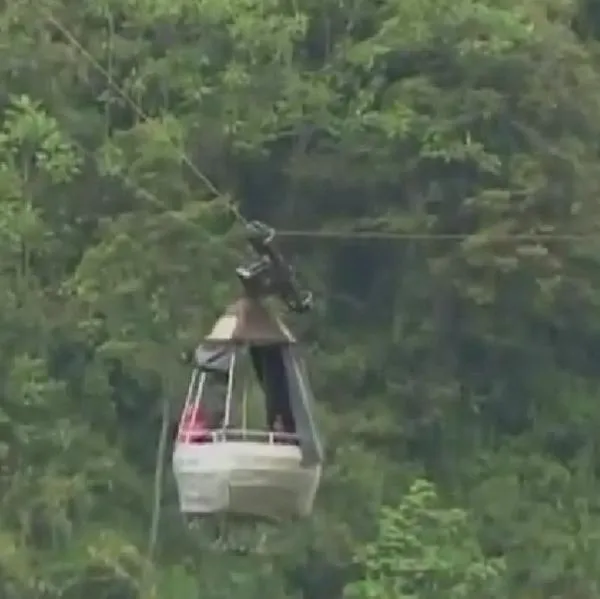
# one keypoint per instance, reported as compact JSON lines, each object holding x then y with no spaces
{"x":237,"y":435}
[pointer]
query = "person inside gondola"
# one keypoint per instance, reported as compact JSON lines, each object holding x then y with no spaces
{"x":199,"y":419}
{"x":194,"y":425}
{"x":210,"y":413}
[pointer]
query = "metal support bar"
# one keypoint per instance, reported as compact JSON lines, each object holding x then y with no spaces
{"x":229,"y":396}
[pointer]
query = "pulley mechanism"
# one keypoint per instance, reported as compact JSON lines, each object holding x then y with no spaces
{"x":269,"y":274}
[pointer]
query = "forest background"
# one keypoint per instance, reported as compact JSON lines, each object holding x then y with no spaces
{"x":454,"y":352}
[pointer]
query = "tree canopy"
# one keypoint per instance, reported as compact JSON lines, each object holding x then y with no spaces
{"x":432,"y":167}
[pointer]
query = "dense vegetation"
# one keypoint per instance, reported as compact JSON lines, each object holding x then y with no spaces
{"x":456,"y":364}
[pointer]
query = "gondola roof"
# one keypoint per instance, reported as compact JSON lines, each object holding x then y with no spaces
{"x":247,"y":321}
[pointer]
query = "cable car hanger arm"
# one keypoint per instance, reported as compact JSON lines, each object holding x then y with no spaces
{"x":269,"y":274}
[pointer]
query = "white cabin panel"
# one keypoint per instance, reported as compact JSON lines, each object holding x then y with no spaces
{"x":262,"y":479}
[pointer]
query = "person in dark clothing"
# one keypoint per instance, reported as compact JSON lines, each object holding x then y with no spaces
{"x":270,"y":371}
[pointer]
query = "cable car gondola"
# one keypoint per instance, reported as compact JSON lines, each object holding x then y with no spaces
{"x":222,"y":466}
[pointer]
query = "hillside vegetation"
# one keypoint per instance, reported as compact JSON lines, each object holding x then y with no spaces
{"x":455,"y":344}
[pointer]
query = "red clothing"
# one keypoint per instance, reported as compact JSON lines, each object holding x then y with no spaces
{"x":194,"y":424}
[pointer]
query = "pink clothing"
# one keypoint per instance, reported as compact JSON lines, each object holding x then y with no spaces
{"x":194,"y":425}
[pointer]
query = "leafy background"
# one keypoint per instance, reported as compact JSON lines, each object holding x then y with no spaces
{"x":455,"y":363}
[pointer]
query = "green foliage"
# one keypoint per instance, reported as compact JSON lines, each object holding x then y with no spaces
{"x":467,"y":360}
{"x":423,"y":550}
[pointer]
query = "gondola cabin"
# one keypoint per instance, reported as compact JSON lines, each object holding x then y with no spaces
{"x":224,"y":464}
